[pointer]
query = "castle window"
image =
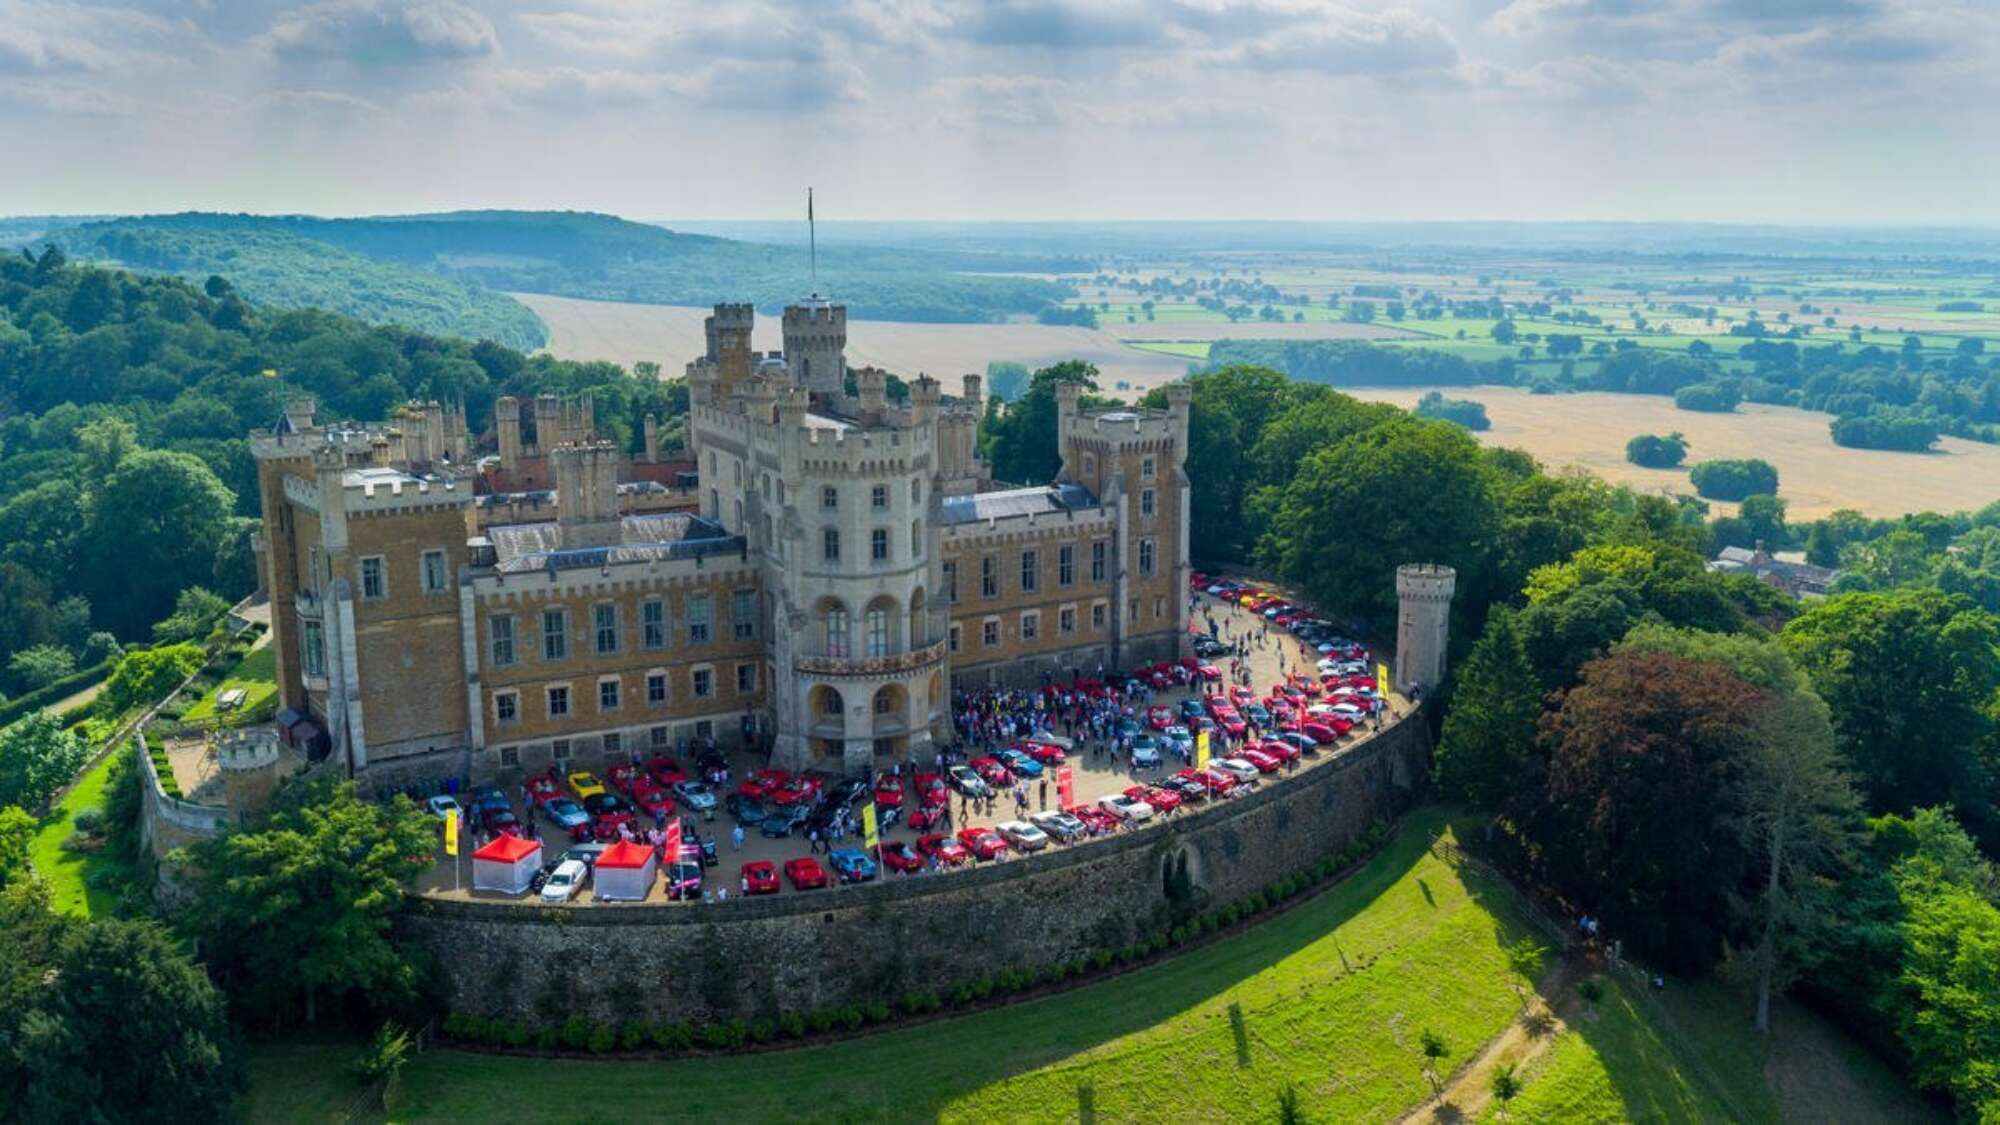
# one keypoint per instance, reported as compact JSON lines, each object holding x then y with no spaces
{"x":746,"y":679}
{"x":656,"y":688}
{"x":500,"y":634}
{"x":1066,"y":620}
{"x":1097,"y":553}
{"x":661,"y":737}
{"x":1148,"y":560}
{"x":743,"y":614}
{"x":878,"y":497}
{"x":653,"y":623}
{"x":607,"y":695}
{"x":1031,"y":625}
{"x":604,"y":619}
{"x":1031,"y":571}
{"x":1146,"y":502}
{"x":878,"y":633}
{"x":613,"y":742}
{"x":1146,"y":468}
{"x":836,"y":631}
{"x":916,"y":538}
{"x":989,"y":581}
{"x":1159,"y":609}
{"x":433,"y":572}
{"x":878,"y":544}
{"x":954,"y":638}
{"x":704,"y":683}
{"x":558,"y":702}
{"x":1066,"y":565}
{"x":374,"y":584}
{"x":555,"y":634}
{"x":830,"y":702}
{"x":830,"y":545}
{"x":510,"y":757}
{"x":829,"y":498}
{"x":313,"y":642}
{"x":1099,"y":612}
{"x":559,"y":749}
{"x":700,"y":616}
{"x":989,"y":632}
{"x":1089,"y":465}
{"x":916,"y":492}
{"x":950,"y":582}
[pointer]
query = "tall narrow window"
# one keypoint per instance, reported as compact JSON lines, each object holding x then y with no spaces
{"x":653,"y":623}
{"x":373,"y":584}
{"x":878,"y":632}
{"x":555,"y":634}
{"x":1148,"y":559}
{"x":836,"y":631}
{"x":433,"y":568}
{"x":501,"y":632}
{"x":700,"y":618}
{"x":878,"y":544}
{"x":1097,"y":553}
{"x":743,"y":614}
{"x":878,"y":497}
{"x":829,"y":498}
{"x":989,"y":580}
{"x":830,"y":545}
{"x":315,"y":648}
{"x":950,"y":583}
{"x":1031,"y":571}
{"x":604,"y":620}
{"x":1066,"y":565}
{"x":1146,"y":502}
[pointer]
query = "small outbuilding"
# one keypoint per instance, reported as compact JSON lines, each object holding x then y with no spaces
{"x":625,"y":872}
{"x":507,"y":864}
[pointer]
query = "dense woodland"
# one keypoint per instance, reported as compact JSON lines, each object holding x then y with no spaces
{"x":602,"y":257}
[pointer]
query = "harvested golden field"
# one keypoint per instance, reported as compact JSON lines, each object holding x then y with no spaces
{"x":670,"y":335}
{"x":1815,"y":476}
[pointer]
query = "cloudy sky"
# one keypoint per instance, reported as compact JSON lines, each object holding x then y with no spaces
{"x":1801,"y":111}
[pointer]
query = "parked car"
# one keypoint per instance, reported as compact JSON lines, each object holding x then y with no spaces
{"x":992,"y":771}
{"x":565,"y":881}
{"x":656,"y":802}
{"x":501,"y":822}
{"x":929,"y":816}
{"x":1131,"y":810}
{"x":805,"y":873}
{"x":1211,"y":780}
{"x":888,"y":793}
{"x":1179,"y":739}
{"x":1019,"y":764}
{"x":1237,"y":768}
{"x":846,"y":791}
{"x":567,"y":814}
{"x":1298,"y":740}
{"x":1280,"y":749}
{"x":799,"y":790}
{"x":748,"y":811}
{"x":621,"y":777}
{"x":585,"y":854}
{"x":852,"y":865}
{"x":968,"y":782}
{"x":900,"y":856}
{"x":762,"y":783}
{"x":1022,"y":836}
{"x":760,"y":877}
{"x":1162,"y":798}
{"x":1145,"y":752}
{"x":1191,"y":791}
{"x":1265,"y":763}
{"x":665,"y":772}
{"x":683,"y":879}
{"x":1191,"y":709}
{"x":1048,"y":750}
{"x":982,"y":842}
{"x":780,"y":822}
{"x":696,"y":795}
{"x":442,"y":804}
{"x":1059,"y":826}
{"x":584,"y":784}
{"x":946,"y":850}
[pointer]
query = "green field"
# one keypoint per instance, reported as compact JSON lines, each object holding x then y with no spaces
{"x":256,"y":674}
{"x":1189,"y":349}
{"x":69,"y":874}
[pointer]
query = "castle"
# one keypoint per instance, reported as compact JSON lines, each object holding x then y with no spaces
{"x":821,"y":568}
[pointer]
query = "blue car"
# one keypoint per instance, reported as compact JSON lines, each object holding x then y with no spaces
{"x":1019,"y":764}
{"x":1191,"y":709}
{"x":852,"y":865}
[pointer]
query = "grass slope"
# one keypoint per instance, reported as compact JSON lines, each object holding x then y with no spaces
{"x":256,"y":674}
{"x":69,"y":874}
{"x":278,"y":267}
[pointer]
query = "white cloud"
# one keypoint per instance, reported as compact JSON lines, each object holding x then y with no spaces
{"x":383,"y":32}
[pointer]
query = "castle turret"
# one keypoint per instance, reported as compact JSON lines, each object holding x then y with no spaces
{"x":923,"y":399}
{"x":816,"y":345}
{"x":247,"y":759}
{"x":872,"y":387}
{"x":587,"y":494}
{"x":1423,"y":624}
{"x":1068,"y":398}
{"x":728,"y":329}
{"x":652,"y":426}
{"x":299,"y":414}
{"x":507,"y":429}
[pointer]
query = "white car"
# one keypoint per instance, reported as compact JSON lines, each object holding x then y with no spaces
{"x":695,"y":795}
{"x":1145,"y":752}
{"x":1131,"y":810}
{"x":441,"y":804}
{"x":1059,"y":825}
{"x":1023,"y":836}
{"x":565,"y":881}
{"x":1178,"y":738}
{"x":1239,"y":769}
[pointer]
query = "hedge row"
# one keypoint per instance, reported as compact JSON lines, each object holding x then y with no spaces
{"x":580,"y":1034}
{"x":43,"y":696}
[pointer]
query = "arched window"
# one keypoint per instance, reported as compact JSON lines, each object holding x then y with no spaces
{"x":878,"y":631}
{"x":836,"y":630}
{"x":830,"y":703}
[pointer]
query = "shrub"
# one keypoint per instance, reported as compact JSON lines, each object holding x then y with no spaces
{"x":1651,"y":451}
{"x":575,"y":1033}
{"x":514,"y":1034}
{"x":1178,"y":935}
{"x":1459,"y":411}
{"x":1708,"y":398}
{"x":384,"y":1055}
{"x":1102,"y":958}
{"x":762,"y":1031}
{"x":875,"y":1011}
{"x":822,"y":1021}
{"x":851,"y":1018}
{"x":961,"y":994}
{"x":1734,"y":479}
{"x":792,"y":1025}
{"x":670,"y":1036}
{"x":90,"y":822}
{"x":1591,"y":989}
{"x":634,"y":1036}
{"x":603,"y":1038}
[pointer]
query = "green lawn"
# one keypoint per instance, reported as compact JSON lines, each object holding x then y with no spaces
{"x":68,"y":873}
{"x":1188,"y":349}
{"x":256,"y":674}
{"x":1328,"y":998}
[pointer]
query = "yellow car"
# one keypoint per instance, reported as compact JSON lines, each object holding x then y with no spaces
{"x":584,"y":784}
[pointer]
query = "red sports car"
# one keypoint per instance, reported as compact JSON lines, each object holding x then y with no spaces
{"x":1215,"y":781}
{"x":760,"y":877}
{"x":805,"y":873}
{"x":542,"y":790}
{"x":797,"y":791}
{"x":1283,"y":751}
{"x":1162,"y":800}
{"x":650,"y":796}
{"x":1160,"y":717}
{"x":927,"y":816}
{"x":982,"y":842}
{"x":944,"y":849}
{"x":665,"y":772}
{"x":621,"y":777}
{"x":763,"y":783}
{"x":1096,"y":819}
{"x":1234,"y":724}
{"x":1241,"y":696}
{"x":1322,"y":733}
{"x":1046,"y":753}
{"x":1209,"y":672}
{"x":1265,"y":763}
{"x":1217,"y":707}
{"x":888,"y":794}
{"x":899,"y":856}
{"x":991,"y":772}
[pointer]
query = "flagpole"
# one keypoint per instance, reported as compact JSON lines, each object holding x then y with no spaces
{"x":812,"y":241}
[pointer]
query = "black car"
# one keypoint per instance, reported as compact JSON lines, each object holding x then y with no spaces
{"x":748,"y":811}
{"x":847,"y":792}
{"x":600,"y":805}
{"x":782,"y":821}
{"x":693,"y":840}
{"x":585,"y":853}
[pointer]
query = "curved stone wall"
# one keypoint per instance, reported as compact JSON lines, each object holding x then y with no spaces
{"x":802,"y":952}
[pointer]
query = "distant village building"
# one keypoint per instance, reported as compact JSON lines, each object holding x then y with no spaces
{"x":812,"y":573}
{"x":1798,"y":578}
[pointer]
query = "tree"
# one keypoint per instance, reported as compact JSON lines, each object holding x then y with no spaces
{"x":37,"y":757}
{"x":300,"y":904}
{"x":160,"y":515}
{"x":1006,"y":380}
{"x":1486,"y":753}
{"x":130,"y":1029}
{"x":1734,"y":479}
{"x":17,"y":829}
{"x":1506,"y":1086}
{"x":146,"y":675}
{"x":1524,"y":960}
{"x":105,"y":443}
{"x":195,"y":613}
{"x":1432,"y":1046}
{"x":1654,"y":452}
{"x":1937,"y":652}
{"x":40,"y":666}
{"x":1504,"y":333}
{"x":1020,"y":445}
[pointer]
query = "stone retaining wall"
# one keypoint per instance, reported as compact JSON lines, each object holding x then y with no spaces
{"x":803,"y":952}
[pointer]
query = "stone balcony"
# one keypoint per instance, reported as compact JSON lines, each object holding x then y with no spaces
{"x":916,"y":660}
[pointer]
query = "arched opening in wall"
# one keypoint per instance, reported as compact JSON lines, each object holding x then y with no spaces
{"x":890,"y":709}
{"x":934,"y":699}
{"x":918,"y":635}
{"x":879,"y":628}
{"x":1181,"y":881}
{"x":833,"y":627}
{"x":827,"y":714}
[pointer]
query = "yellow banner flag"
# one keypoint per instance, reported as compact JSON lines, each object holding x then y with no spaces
{"x":868,"y":836}
{"x":1382,"y":679}
{"x":1201,"y":749}
{"x":451,"y":831}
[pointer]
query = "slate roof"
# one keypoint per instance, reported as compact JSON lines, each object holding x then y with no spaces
{"x":527,"y":547}
{"x":1010,"y":502}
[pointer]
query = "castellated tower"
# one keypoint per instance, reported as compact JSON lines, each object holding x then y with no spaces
{"x":1423,"y":624}
{"x":728,"y":329}
{"x":816,"y":345}
{"x":248,"y":762}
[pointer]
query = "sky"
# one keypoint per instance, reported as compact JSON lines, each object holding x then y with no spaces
{"x":1788,"y":111}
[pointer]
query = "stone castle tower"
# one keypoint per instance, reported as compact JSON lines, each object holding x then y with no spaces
{"x":248,"y":762}
{"x":1423,"y":624}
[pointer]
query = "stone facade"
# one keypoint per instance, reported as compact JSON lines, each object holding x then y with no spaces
{"x":801,"y":952}
{"x":1423,"y":624}
{"x":830,"y":565}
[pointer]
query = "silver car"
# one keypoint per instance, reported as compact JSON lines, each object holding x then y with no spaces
{"x":1059,"y":826}
{"x":1023,"y":836}
{"x":565,"y":812}
{"x":695,"y":795}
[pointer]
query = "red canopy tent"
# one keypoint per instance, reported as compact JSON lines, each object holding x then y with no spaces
{"x":507,"y":864}
{"x":625,"y":871}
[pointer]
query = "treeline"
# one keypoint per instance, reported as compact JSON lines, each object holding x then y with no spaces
{"x":125,"y":473}
{"x":602,"y":257}
{"x":277,"y":267}
{"x":1354,"y":363}
{"x":1458,"y":411}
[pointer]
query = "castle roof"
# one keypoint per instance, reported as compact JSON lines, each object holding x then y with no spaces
{"x":527,"y":547}
{"x":1008,"y":502}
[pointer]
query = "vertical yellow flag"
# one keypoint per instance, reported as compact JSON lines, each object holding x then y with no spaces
{"x":868,"y":836}
{"x":451,"y":831}
{"x":1201,"y":749}
{"x":1382,"y":680}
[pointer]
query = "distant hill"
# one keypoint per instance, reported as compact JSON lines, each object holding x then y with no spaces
{"x":603,"y":257}
{"x":273,"y":266}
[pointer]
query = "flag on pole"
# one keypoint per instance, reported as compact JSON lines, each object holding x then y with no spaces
{"x":869,"y":838}
{"x":1201,"y":749}
{"x":1382,"y":679}
{"x":451,"y":831}
{"x":670,"y":848}
{"x":1065,"y":786}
